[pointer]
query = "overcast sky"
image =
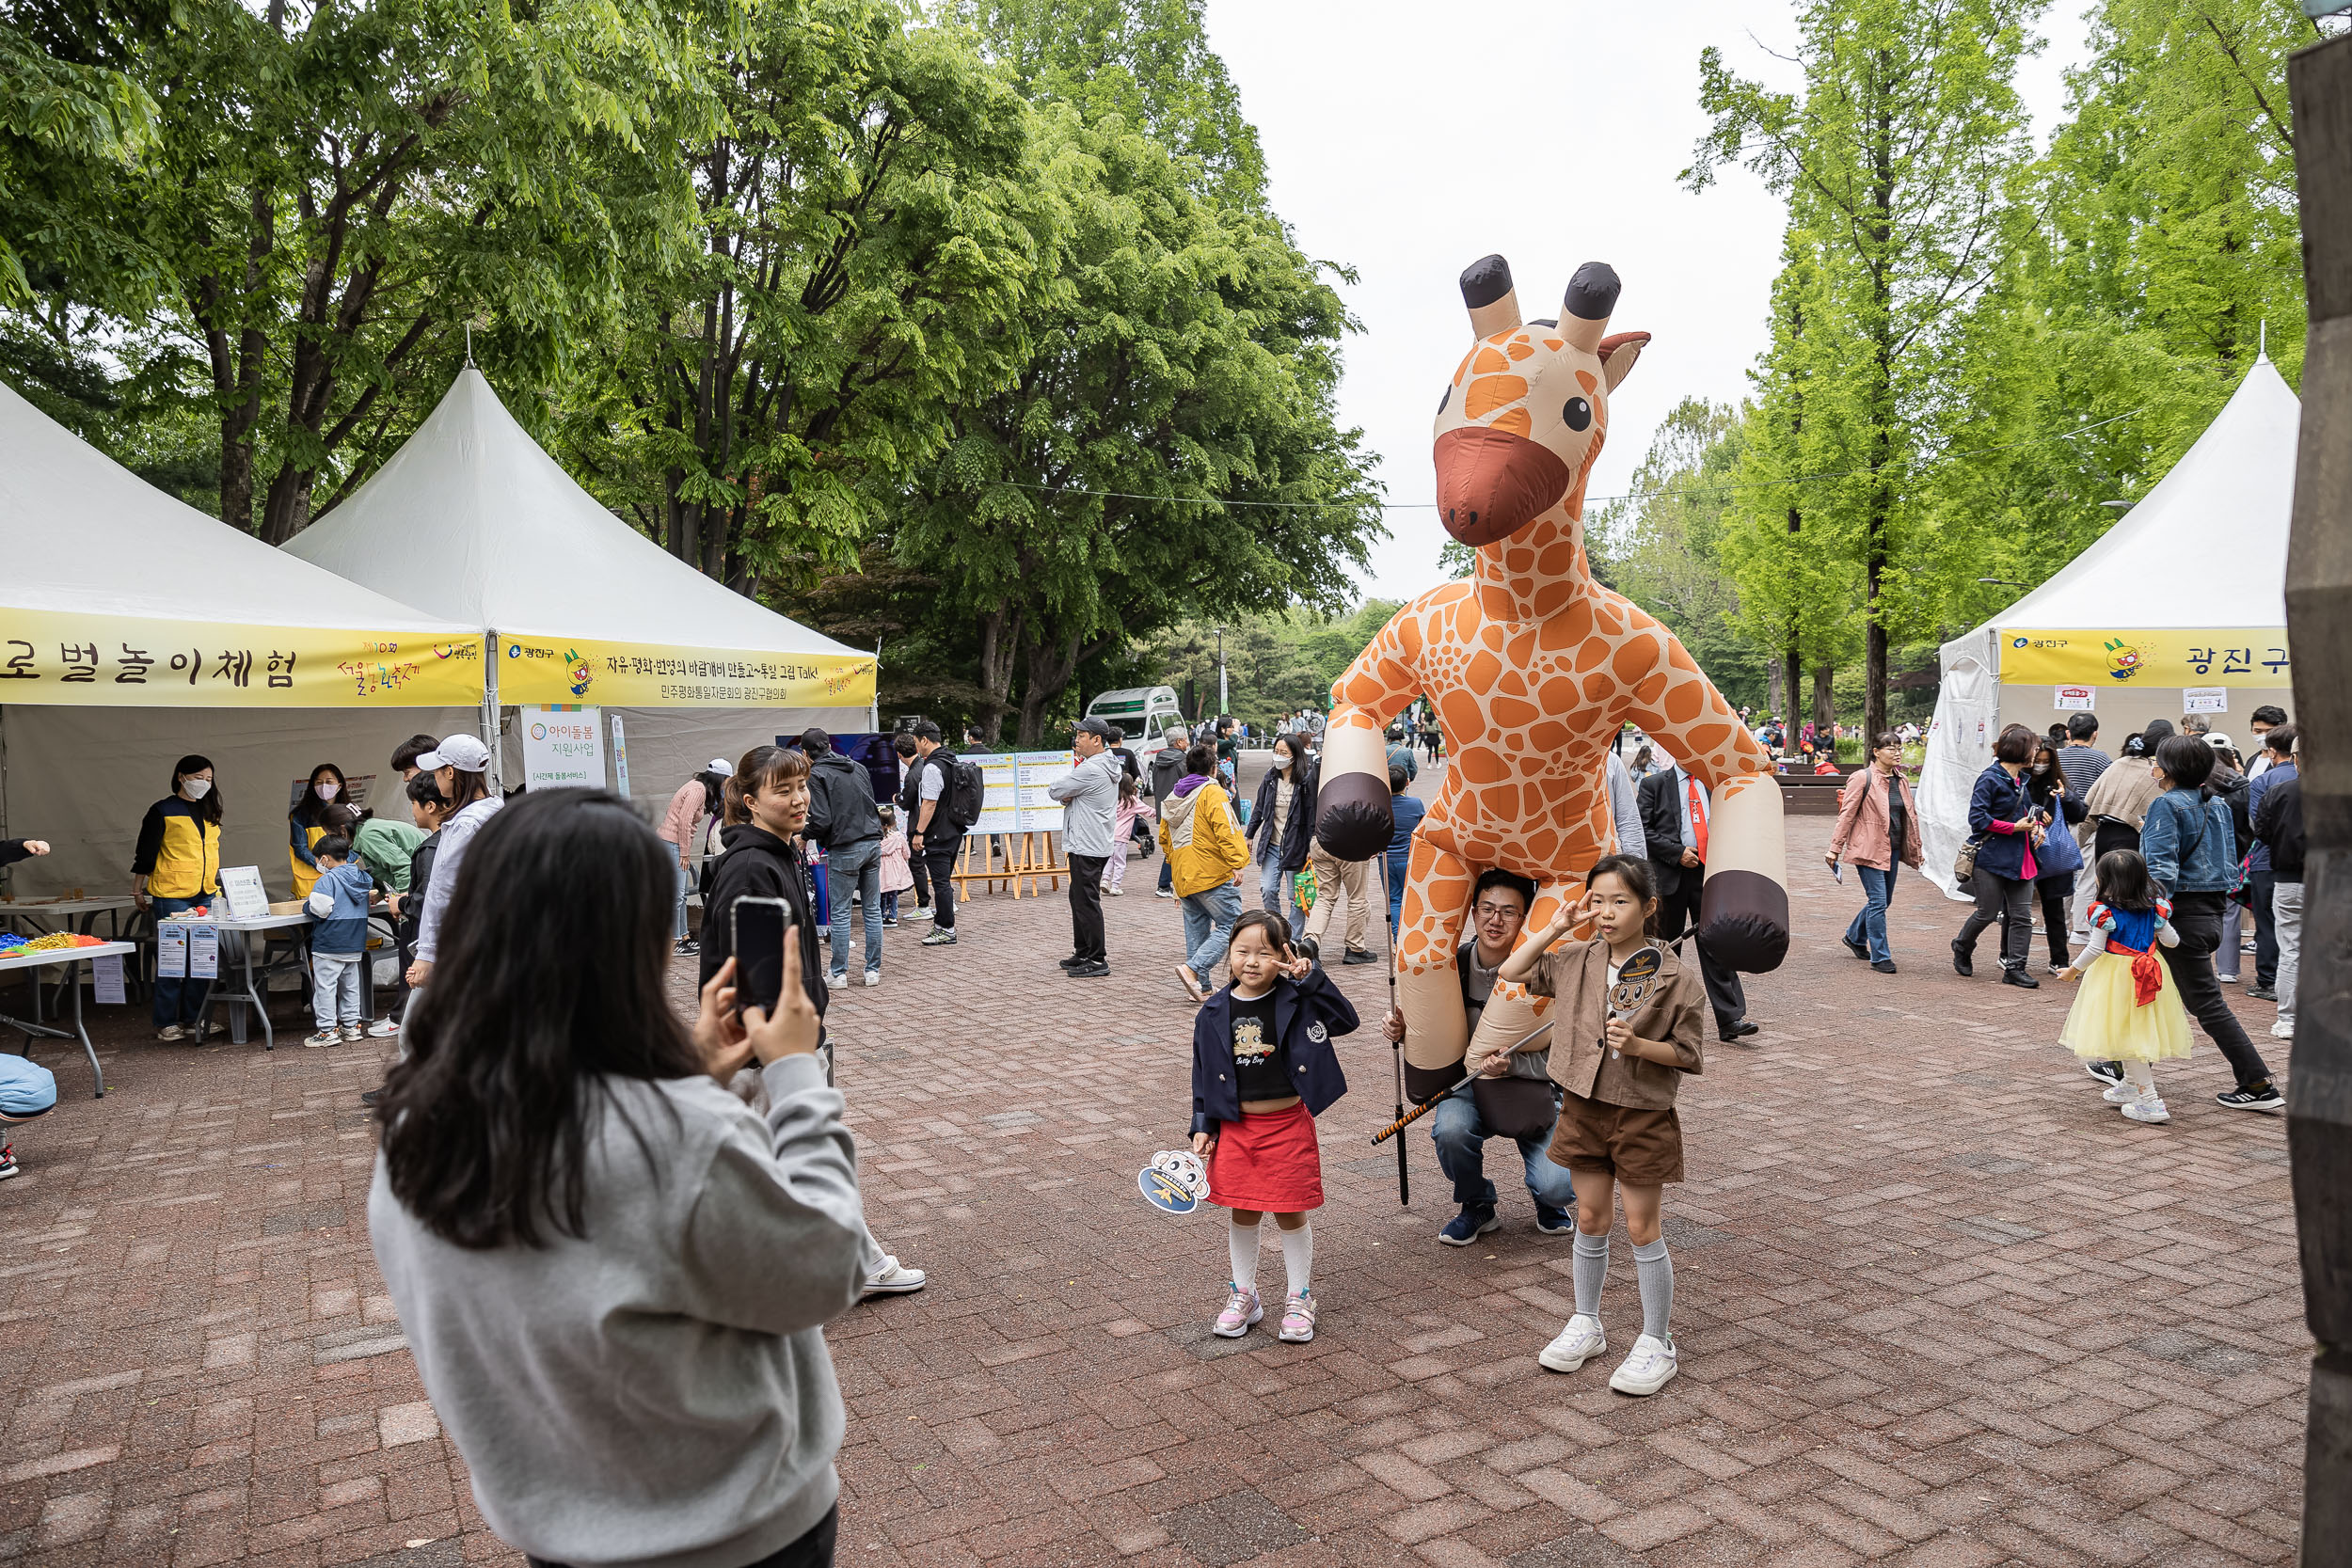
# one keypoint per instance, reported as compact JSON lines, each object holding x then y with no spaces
{"x":1407,"y":141}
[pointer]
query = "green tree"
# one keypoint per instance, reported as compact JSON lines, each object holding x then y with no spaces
{"x":1895,"y":156}
{"x":73,"y":120}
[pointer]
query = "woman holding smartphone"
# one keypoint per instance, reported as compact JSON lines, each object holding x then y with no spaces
{"x":767,"y":806}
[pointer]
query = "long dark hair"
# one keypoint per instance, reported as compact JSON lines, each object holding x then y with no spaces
{"x":310,"y":811}
{"x":209,"y":807}
{"x":2123,"y":881}
{"x":550,"y":977}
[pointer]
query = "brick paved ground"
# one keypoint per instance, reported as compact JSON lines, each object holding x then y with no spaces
{"x":1938,"y":1305}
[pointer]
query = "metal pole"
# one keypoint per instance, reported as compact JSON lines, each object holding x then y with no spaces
{"x":2319,"y":630}
{"x":1223,"y":706}
{"x":490,"y":710}
{"x":873,"y":716}
{"x":1396,"y":1048}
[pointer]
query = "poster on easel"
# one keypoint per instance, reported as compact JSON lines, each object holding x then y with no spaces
{"x":1035,"y":772}
{"x":241,"y":886}
{"x":1000,"y":804}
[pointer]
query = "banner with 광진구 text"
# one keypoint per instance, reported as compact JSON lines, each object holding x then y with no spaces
{"x":2223,"y":655}
{"x":66,"y":659}
{"x":638,"y":674}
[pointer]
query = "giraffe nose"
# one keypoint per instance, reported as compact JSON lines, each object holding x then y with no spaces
{"x":1491,"y":483}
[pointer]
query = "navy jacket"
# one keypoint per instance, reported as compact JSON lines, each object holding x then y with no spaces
{"x":1298,"y":829}
{"x":1999,"y":797}
{"x":1307,"y":1013}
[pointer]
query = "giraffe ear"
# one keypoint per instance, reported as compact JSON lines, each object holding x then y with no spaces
{"x":1617,"y":354}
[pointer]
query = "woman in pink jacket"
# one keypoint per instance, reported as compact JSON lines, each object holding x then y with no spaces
{"x":1875,"y":813}
{"x":692,"y":809}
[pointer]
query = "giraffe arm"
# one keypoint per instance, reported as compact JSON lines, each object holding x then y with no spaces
{"x":1353,"y":819}
{"x":1743,"y":911}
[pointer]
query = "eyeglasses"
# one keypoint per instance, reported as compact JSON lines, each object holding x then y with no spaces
{"x":1497,"y":911}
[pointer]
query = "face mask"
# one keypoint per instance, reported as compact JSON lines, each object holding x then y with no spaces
{"x":2041,"y":767}
{"x":327,"y":789}
{"x":1282,"y":763}
{"x":196,"y":789}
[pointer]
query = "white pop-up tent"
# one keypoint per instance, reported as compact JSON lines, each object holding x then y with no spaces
{"x":135,"y":629}
{"x":2179,"y":607}
{"x":470,"y":519}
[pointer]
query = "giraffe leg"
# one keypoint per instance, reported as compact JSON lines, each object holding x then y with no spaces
{"x":1428,"y":988}
{"x":1511,"y":1014}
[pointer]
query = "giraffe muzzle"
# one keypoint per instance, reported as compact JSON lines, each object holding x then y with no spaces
{"x":1491,"y":483}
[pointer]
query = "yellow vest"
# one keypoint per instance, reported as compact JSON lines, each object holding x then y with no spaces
{"x":187,"y":863}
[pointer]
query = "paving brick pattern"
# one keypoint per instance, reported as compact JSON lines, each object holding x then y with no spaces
{"x":1937,"y":1303}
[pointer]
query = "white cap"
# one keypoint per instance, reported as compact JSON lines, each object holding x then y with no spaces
{"x":721,"y":767}
{"x":464,"y":753}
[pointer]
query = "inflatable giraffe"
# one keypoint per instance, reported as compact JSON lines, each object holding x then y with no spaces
{"x":1533,"y":668}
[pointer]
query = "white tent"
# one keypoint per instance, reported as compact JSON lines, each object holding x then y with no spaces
{"x":471,"y":520}
{"x":2180,"y":606}
{"x":135,"y":629}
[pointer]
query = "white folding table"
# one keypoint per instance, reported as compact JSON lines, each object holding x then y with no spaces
{"x":69,"y":957}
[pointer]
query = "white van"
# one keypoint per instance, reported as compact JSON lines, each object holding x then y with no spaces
{"x":1142,"y":713}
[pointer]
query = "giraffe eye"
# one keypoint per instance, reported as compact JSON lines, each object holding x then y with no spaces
{"x":1579,"y":414}
{"x":1444,"y":398}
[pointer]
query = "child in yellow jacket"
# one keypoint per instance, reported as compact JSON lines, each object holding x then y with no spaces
{"x":1205,"y":853}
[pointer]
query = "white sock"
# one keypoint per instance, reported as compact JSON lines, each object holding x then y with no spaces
{"x":1299,"y":1256}
{"x":2141,"y":1076}
{"x":1242,"y":1241}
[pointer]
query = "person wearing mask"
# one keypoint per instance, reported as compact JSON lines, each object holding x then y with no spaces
{"x":2190,"y":846}
{"x":2190,"y":850}
{"x":1281,"y":827}
{"x":1089,"y":796}
{"x":694,"y":810}
{"x":842,"y":822}
{"x":2059,"y":859}
{"x":934,"y":838}
{"x":2118,"y":803}
{"x":324,"y":808}
{"x":2267,"y":718}
{"x":767,"y":811}
{"x":1167,"y":769}
{"x":1878,"y":829}
{"x":2279,"y":827}
{"x":613,"y":1274}
{"x":1674,"y":809}
{"x":175,"y":866}
{"x":2275,"y":767}
{"x":459,"y":767}
{"x":2008,"y":830}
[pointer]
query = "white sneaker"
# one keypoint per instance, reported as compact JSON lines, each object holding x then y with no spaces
{"x":1576,"y":1344}
{"x":323,"y":1039}
{"x":168,"y":1032}
{"x":873,"y":976}
{"x":1650,"y":1366}
{"x":383,"y":1029}
{"x":352,"y":1034}
{"x":920,"y":911}
{"x":2121,"y":1094}
{"x":893,"y":1279}
{"x":2146,"y":1107}
{"x":1164,"y":892}
{"x":2282,"y":1030}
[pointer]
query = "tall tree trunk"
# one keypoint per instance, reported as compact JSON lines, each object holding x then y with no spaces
{"x":286,"y":510}
{"x":1000,"y":645}
{"x":1774,"y":678}
{"x":1824,"y":703}
{"x":1793,"y":668}
{"x":1049,"y":670}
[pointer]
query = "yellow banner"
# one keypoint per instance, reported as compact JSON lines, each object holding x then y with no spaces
{"x":638,"y":674}
{"x":2216,"y":656}
{"x":66,"y":659}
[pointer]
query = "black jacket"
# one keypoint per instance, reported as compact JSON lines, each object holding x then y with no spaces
{"x":1167,"y":767}
{"x":911,"y":797}
{"x":2279,"y":823}
{"x":1662,"y":826}
{"x":758,"y":864}
{"x":1298,"y":829}
{"x":412,"y":902}
{"x":840,"y":804}
{"x":13,"y":850}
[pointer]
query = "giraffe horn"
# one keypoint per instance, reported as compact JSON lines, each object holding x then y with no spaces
{"x":1494,"y":305}
{"x":1584,"y":313}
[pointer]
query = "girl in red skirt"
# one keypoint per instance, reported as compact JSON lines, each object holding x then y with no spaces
{"x":1263,"y":1070}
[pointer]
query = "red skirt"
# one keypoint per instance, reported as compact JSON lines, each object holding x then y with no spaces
{"x":1269,"y":1162}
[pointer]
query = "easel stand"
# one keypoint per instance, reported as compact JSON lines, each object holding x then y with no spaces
{"x":1027,"y":858}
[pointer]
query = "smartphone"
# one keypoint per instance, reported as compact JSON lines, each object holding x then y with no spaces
{"x":759,"y":937}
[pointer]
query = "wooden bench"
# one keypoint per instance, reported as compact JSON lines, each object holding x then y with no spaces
{"x":1810,"y":793}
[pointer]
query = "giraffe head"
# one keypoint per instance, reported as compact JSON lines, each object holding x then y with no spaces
{"x":1524,"y":415}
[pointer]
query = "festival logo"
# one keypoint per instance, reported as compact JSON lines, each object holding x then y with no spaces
{"x":2124,"y":660}
{"x":576,"y":669}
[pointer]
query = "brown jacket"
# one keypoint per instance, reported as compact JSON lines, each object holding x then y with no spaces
{"x":1675,"y":1011}
{"x":1862,"y":829}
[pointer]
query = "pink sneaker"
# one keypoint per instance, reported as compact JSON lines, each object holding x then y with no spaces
{"x":1242,"y":1308}
{"x":1299,"y":1319}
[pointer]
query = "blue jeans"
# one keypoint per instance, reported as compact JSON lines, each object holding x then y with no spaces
{"x":1396,"y":896}
{"x":1274,"y":883}
{"x":1209,"y":917}
{"x":1461,"y":1139}
{"x":855,"y":866}
{"x":1870,"y":922}
{"x":178,"y":1001}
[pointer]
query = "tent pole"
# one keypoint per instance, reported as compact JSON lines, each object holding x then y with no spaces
{"x":873,"y":717}
{"x":490,"y":707}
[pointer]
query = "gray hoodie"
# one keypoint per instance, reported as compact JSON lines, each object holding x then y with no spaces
{"x":656,"y":1393}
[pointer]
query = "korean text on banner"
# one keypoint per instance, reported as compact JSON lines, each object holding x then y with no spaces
{"x":636,"y":675}
{"x":1000,"y":802}
{"x":563,"y":748}
{"x":240,"y":885}
{"x":64,"y":657}
{"x":2213,"y":656}
{"x":1035,"y":770}
{"x":2078,"y":699}
{"x":2205,"y":698}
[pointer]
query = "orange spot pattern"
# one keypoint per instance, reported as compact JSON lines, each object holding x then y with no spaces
{"x":1490,"y":392}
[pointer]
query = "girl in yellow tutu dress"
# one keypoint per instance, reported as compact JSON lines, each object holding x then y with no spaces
{"x":2128,"y":1010}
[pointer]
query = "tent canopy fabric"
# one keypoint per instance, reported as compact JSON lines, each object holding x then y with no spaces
{"x":114,"y":593}
{"x":471,"y":519}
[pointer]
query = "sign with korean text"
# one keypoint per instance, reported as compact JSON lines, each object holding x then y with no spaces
{"x":2125,"y":657}
{"x":2206,"y":699}
{"x":2078,"y":699}
{"x":64,"y":657}
{"x":563,"y":748}
{"x":241,"y":886}
{"x":1000,"y":802}
{"x":1033,"y":773}
{"x":640,"y":675}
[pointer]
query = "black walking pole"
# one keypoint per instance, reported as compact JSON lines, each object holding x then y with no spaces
{"x":1396,"y":1048}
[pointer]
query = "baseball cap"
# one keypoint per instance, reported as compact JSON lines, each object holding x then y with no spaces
{"x":721,"y":767}
{"x":1096,"y":726}
{"x":2219,"y":741}
{"x":464,"y":753}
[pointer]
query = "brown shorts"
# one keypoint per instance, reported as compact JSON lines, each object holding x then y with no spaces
{"x":1640,"y":1147}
